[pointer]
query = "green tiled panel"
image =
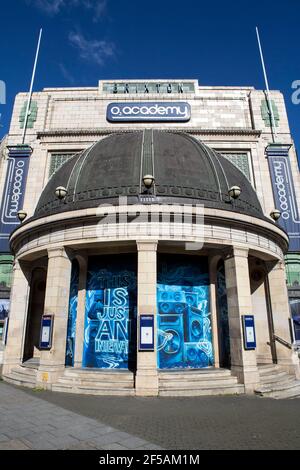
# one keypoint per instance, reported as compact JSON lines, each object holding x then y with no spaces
{"x":6,"y":268}
{"x":32,"y":117}
{"x":265,"y":114}
{"x":292,"y":263}
{"x":57,"y":160}
{"x":240,"y":160}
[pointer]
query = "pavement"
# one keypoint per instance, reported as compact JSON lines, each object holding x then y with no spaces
{"x":32,"y":419}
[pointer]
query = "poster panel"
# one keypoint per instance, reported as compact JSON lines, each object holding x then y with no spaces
{"x":110,"y":319}
{"x":184,"y":317}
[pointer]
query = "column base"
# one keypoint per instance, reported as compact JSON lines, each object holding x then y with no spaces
{"x":248,"y":376}
{"x":48,"y":375}
{"x":146,"y":383}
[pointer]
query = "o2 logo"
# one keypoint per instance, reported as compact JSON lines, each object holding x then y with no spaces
{"x":296,"y":94}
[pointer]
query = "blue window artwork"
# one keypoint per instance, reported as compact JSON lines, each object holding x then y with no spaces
{"x":73,"y":302}
{"x":110,"y":319}
{"x":184,"y":317}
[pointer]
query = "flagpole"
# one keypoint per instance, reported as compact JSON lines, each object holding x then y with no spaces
{"x":273,"y":124}
{"x":31,"y":88}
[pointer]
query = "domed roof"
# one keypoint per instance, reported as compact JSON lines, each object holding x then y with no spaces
{"x":186,"y":171}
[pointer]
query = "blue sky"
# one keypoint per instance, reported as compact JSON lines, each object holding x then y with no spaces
{"x":87,"y":40}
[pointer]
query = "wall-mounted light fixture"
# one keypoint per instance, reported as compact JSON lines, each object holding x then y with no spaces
{"x":61,"y":192}
{"x":234,"y":192}
{"x":21,"y":215}
{"x":275,"y":214}
{"x":148,"y":181}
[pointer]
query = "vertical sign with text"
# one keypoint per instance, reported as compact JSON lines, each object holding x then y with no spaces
{"x":13,"y":192}
{"x":284,"y":192}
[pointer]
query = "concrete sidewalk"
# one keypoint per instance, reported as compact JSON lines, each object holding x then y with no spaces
{"x":28,"y":422}
{"x":32,"y":419}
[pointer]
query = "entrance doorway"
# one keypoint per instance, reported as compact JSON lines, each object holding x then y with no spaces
{"x":35,"y":312}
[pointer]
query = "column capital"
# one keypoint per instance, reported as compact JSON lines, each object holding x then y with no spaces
{"x":237,"y":252}
{"x":57,"y":253}
{"x":147,"y":245}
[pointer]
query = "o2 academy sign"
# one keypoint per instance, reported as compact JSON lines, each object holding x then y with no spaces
{"x":13,"y":192}
{"x":176,"y":111}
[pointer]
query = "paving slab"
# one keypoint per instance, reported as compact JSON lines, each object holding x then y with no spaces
{"x":194,"y":423}
{"x":27,"y":421}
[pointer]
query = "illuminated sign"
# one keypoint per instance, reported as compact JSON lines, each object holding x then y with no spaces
{"x":149,"y":112}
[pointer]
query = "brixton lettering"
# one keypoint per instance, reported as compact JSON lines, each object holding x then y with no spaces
{"x":149,"y":111}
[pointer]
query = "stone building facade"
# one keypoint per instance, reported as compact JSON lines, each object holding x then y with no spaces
{"x":243,"y":256}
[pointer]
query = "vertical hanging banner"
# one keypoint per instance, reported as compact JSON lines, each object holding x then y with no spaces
{"x":13,"y":193}
{"x":284,"y":192}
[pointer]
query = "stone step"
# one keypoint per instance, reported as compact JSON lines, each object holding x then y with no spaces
{"x":202,"y":382}
{"x":266,"y":368}
{"x":293,"y":393}
{"x":191,"y":375}
{"x":99,"y":375}
{"x":270,"y":373}
{"x":273,"y":379}
{"x":32,"y":363}
{"x":188,"y":392}
{"x":198,"y":384}
{"x":30,"y":372}
{"x":275,"y":391}
{"x":90,"y":390}
{"x":21,"y":380}
{"x":95,"y":383}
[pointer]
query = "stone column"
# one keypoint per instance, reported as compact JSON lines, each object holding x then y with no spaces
{"x":52,"y":363}
{"x":213,"y":261}
{"x":13,"y":354}
{"x":243,"y":363}
{"x":83,"y":262}
{"x":281,"y":314}
{"x":146,"y":381}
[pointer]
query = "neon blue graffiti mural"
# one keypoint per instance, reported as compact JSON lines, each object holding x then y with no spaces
{"x":73,"y":302}
{"x":110,"y":320}
{"x":184,"y":323}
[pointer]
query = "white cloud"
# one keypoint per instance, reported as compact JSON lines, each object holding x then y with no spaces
{"x":94,"y":50}
{"x":53,"y":7}
{"x":66,"y":74}
{"x":99,"y":10}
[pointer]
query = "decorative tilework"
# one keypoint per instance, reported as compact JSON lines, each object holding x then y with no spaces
{"x":57,"y":160}
{"x":32,"y":117}
{"x":240,"y":160}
